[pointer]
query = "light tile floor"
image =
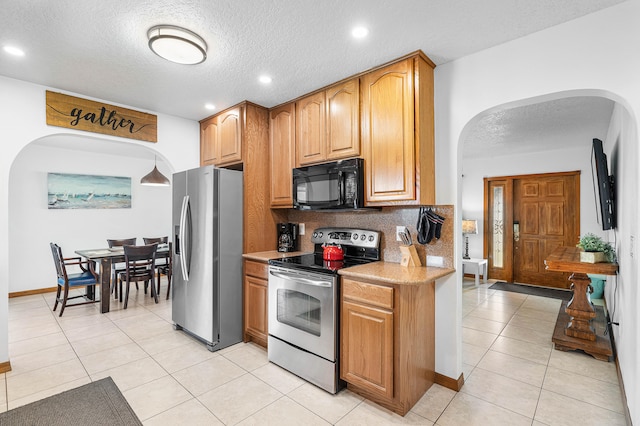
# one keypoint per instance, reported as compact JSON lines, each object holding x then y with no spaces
{"x":513,"y":375}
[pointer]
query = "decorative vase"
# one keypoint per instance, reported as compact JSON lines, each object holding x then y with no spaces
{"x":592,"y":257}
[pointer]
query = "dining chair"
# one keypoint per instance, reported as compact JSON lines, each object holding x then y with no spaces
{"x":167,"y":270}
{"x":163,"y":266}
{"x":118,"y":268}
{"x":88,"y":277}
{"x":139,"y":266}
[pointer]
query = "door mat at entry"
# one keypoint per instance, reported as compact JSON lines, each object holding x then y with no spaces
{"x":533,"y":290}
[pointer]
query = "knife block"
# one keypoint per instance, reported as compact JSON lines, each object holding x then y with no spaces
{"x":409,"y":256}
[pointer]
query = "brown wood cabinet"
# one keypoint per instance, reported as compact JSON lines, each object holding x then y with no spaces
{"x":311,"y":138}
{"x":209,"y":141}
{"x":387,"y":341}
{"x":398,"y":133}
{"x":238,"y":138}
{"x":328,"y":124}
{"x":367,"y":336}
{"x":221,"y":138}
{"x":255,"y":302}
{"x":230,"y":136}
{"x":282,"y":154}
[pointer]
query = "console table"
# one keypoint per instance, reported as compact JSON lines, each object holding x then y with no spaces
{"x":574,"y":328}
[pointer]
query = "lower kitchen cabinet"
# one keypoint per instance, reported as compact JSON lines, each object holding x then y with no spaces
{"x":367,"y":352}
{"x":387,"y":341}
{"x":256,"y":276}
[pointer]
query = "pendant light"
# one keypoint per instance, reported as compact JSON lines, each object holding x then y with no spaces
{"x":155,"y":178}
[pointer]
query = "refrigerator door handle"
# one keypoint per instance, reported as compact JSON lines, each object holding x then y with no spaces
{"x":185,"y":256}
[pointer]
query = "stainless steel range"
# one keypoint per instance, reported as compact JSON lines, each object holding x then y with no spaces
{"x":304,"y":304}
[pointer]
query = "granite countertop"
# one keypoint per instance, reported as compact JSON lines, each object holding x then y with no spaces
{"x":264,"y":256}
{"x":394,"y":273}
{"x":386,"y":272}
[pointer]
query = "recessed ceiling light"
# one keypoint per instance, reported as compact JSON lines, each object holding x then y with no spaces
{"x":209,"y":106}
{"x":177,"y":44}
{"x":15,"y":51}
{"x":265,"y":79}
{"x":360,"y":32}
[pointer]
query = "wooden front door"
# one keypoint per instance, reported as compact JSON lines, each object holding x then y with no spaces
{"x":540,"y":213}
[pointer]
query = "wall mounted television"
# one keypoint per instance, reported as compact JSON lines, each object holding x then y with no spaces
{"x":605,"y":199}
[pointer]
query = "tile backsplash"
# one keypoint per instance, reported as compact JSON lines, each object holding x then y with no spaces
{"x":384,"y":221}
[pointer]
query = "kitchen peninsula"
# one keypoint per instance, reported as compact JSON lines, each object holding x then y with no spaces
{"x":387,"y":338}
{"x":387,"y":331}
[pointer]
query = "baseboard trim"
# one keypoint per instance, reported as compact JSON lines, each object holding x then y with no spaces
{"x":5,"y":367}
{"x":31,"y":292}
{"x":450,"y":383}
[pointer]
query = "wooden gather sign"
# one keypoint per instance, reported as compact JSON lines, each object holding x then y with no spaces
{"x":83,"y":114}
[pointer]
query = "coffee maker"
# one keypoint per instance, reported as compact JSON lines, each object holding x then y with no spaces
{"x":287,"y":237}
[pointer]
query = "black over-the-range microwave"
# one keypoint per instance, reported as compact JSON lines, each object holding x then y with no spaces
{"x":337,"y":185}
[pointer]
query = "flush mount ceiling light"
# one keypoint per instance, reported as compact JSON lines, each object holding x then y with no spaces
{"x":177,"y":44}
{"x":155,"y":178}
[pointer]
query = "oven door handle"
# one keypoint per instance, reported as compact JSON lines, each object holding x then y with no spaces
{"x":298,"y":278}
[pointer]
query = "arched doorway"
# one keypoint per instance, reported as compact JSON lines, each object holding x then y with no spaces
{"x":32,"y":225}
{"x":536,"y":138}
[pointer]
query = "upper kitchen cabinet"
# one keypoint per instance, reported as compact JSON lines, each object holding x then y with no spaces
{"x":311,"y":138}
{"x":398,"y":133}
{"x":230,"y":136}
{"x":282,"y":154}
{"x":343,"y":120}
{"x":209,"y":141}
{"x":238,"y":138}
{"x":328,"y":124}
{"x":221,"y":139}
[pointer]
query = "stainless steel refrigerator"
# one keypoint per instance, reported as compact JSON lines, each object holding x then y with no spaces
{"x":207,"y":256}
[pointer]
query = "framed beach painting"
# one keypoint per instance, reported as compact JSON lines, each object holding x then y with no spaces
{"x":71,"y":191}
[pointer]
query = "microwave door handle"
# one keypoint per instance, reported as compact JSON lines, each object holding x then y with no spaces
{"x":341,"y":188}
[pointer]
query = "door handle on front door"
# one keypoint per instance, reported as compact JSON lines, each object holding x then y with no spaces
{"x":516,"y":231}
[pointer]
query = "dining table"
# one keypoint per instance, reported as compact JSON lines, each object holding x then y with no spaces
{"x":107,"y":257}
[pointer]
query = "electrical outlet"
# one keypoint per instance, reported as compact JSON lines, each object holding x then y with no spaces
{"x":301,"y":229}
{"x":400,"y":229}
{"x":435,"y":261}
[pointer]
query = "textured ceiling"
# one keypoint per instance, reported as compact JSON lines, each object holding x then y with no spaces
{"x":99,"y":48}
{"x":564,"y":123}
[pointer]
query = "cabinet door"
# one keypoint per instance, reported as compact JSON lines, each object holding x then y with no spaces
{"x":367,"y":348}
{"x":282,"y":150}
{"x":208,"y":142}
{"x":388,"y":134}
{"x":255,"y":308}
{"x":230,"y":137}
{"x":310,"y":130}
{"x":343,"y":120}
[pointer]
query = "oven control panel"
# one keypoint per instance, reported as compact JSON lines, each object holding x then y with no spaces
{"x":346,"y":236}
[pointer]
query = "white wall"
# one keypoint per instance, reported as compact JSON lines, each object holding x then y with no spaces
{"x":621,"y":292}
{"x":560,"y":160}
{"x":34,"y":226}
{"x":595,"y":55}
{"x":22,"y":121}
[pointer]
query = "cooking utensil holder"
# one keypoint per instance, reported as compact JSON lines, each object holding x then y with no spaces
{"x":409,"y":256}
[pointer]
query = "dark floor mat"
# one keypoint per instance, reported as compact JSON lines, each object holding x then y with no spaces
{"x":533,"y":290}
{"x":97,"y":403}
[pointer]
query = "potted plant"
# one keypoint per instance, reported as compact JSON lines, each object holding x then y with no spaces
{"x":595,"y":249}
